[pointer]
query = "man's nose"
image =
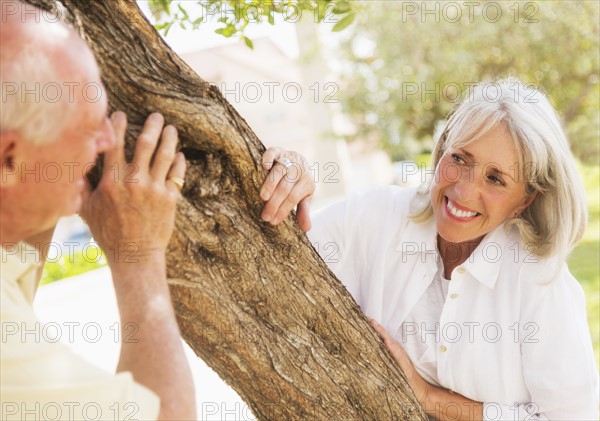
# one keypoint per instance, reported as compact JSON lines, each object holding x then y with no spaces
{"x":107,"y":140}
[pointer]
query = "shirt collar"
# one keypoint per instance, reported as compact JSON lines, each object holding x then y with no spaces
{"x":483,"y":264}
{"x":421,"y":239}
{"x":20,"y":263}
{"x":486,"y":260}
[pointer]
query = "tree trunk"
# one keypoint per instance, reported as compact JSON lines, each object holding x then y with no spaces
{"x":255,"y":302}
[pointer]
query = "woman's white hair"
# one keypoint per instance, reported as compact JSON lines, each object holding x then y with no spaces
{"x":556,"y":219}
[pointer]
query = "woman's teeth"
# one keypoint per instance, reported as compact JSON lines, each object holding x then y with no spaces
{"x":459,"y":213}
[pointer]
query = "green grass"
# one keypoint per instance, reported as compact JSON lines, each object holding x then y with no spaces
{"x":583,"y":264}
{"x":584,"y":261}
{"x":80,"y":261}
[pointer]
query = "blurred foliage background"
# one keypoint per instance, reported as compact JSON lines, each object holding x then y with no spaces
{"x":402,"y":65}
{"x":405,"y":63}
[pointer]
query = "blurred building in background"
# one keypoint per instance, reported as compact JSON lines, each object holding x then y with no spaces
{"x":288,"y":104}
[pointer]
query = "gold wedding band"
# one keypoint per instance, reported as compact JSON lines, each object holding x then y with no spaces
{"x":178,"y":181}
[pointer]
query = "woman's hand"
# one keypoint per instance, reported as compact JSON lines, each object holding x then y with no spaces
{"x":419,"y":386}
{"x":132,"y":211}
{"x":289,"y":183}
{"x":436,"y":402}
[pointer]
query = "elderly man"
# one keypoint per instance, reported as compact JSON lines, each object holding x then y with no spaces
{"x":53,"y":116}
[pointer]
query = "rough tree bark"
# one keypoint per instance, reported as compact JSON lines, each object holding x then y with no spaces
{"x":255,"y":302}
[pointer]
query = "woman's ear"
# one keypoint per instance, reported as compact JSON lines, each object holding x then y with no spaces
{"x":8,"y":160}
{"x":527,"y":201}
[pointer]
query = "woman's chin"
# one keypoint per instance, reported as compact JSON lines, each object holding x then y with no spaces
{"x":456,"y":236}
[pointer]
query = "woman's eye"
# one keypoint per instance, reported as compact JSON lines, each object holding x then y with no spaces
{"x":457,"y":159}
{"x":496,"y":180}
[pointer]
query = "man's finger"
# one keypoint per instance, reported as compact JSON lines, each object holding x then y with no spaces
{"x":177,"y":173}
{"x":116,"y":155}
{"x":165,"y":154}
{"x":85,"y":199}
{"x":147,"y":141}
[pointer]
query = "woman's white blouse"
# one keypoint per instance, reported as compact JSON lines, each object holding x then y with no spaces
{"x":420,"y":333}
{"x":512,"y":335}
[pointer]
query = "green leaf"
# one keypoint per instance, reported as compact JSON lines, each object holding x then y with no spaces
{"x":344,"y":23}
{"x":165,"y":5}
{"x":248,"y":42}
{"x":228,"y":31}
{"x":341,"y":8}
{"x":185,"y":13}
{"x":168,"y":27}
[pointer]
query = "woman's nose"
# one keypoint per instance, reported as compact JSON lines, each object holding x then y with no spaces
{"x":468,"y":185}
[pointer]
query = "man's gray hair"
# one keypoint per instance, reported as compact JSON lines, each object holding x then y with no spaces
{"x":36,"y":95}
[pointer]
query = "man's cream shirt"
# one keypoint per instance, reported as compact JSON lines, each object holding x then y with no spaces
{"x":46,"y":380}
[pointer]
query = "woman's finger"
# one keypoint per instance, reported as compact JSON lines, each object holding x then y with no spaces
{"x":378,"y":328}
{"x":303,"y":214}
{"x":281,"y":201}
{"x":269,"y":157}
{"x":292,"y":198}
{"x":281,"y":170}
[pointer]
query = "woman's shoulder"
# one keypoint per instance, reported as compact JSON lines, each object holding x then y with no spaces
{"x":376,"y":203}
{"x":389,"y":198}
{"x":375,"y":214}
{"x":532,"y":268}
{"x":536,"y":275}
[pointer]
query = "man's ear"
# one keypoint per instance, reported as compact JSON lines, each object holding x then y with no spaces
{"x":9,"y":172}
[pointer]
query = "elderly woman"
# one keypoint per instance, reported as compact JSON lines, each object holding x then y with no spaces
{"x":465,"y":279}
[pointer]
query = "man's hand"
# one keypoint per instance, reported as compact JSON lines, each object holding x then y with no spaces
{"x":131,"y":214}
{"x":132,"y":211}
{"x":289,"y":183}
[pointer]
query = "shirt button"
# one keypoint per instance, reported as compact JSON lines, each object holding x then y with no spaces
{"x":454,"y":296}
{"x":461,"y":269}
{"x":443,"y":348}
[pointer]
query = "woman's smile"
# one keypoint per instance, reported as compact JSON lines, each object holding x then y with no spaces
{"x":458,"y":212}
